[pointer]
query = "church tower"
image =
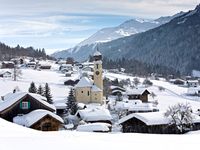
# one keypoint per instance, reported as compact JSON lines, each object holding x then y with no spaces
{"x":98,"y":71}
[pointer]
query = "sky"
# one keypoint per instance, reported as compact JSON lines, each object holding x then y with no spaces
{"x":61,"y":24}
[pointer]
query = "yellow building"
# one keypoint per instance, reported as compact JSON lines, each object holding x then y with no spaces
{"x":88,"y":91}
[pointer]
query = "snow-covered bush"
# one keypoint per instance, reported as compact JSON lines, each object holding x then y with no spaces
{"x":180,"y":115}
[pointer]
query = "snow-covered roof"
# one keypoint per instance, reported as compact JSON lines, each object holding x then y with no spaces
{"x":150,"y":118}
{"x":192,"y":81}
{"x":11,"y":98}
{"x":97,"y":53}
{"x":60,"y":105}
{"x":34,"y":116}
{"x":116,"y":87}
{"x":94,"y":127}
{"x":95,"y":114}
{"x":84,"y":82}
{"x":96,"y":89}
{"x":3,"y":71}
{"x":136,"y":91}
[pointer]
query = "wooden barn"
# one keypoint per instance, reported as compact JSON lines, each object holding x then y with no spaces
{"x":23,"y":103}
{"x":7,"y":64}
{"x":141,"y":94}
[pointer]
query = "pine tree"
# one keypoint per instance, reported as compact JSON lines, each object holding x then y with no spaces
{"x":47,"y":94}
{"x":32,"y":88}
{"x":71,"y":103}
{"x":40,"y":90}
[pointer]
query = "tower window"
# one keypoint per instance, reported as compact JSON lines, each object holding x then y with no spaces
{"x":81,"y":91}
{"x":97,"y":66}
{"x":88,"y":93}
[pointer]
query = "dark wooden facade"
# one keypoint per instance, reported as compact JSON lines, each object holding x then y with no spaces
{"x":16,"y":109}
{"x":143,"y":97}
{"x":47,"y":123}
{"x":71,"y":82}
{"x":7,"y":65}
{"x":135,"y":125}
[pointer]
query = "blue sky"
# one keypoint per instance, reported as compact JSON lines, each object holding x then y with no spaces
{"x":61,"y":24}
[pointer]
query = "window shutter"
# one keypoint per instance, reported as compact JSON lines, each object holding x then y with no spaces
{"x":20,"y":105}
{"x":29,"y":105}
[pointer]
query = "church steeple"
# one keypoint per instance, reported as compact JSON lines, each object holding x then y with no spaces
{"x":98,"y":81}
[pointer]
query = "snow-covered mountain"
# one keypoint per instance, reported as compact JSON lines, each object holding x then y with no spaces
{"x":127,"y":28}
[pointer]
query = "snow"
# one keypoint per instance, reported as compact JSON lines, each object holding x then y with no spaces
{"x":12,"y":98}
{"x":94,"y":127}
{"x":136,"y":91}
{"x":29,"y":119}
{"x":97,"y":53}
{"x":96,"y":89}
{"x":60,"y":105}
{"x":150,"y":118}
{"x":94,"y":114}
{"x":84,"y":82}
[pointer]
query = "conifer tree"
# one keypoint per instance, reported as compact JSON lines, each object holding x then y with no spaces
{"x":32,"y":88}
{"x":47,"y":94}
{"x":71,"y":103}
{"x":40,"y":90}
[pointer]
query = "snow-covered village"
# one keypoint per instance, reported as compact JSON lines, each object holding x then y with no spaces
{"x":135,"y":85}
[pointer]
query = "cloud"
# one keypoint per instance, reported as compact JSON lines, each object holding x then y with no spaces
{"x":54,"y":24}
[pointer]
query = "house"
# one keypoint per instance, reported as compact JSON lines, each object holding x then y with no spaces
{"x":44,"y":65}
{"x":25,"y":104}
{"x":151,"y":122}
{"x":40,"y":119}
{"x":5,"y":74}
{"x":141,"y":94}
{"x":71,"y":82}
{"x":116,"y":90}
{"x":7,"y":64}
{"x":94,"y":127}
{"x":192,"y":83}
{"x":194,"y":91}
{"x":31,"y":65}
{"x":66,"y":67}
{"x":88,"y":91}
{"x":60,"y":108}
{"x":95,"y":114}
{"x":177,"y":81}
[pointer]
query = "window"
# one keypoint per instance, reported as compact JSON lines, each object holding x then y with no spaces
{"x":25,"y":105}
{"x":97,"y":66}
{"x":88,"y":93}
{"x":81,"y":91}
{"x":47,"y":127}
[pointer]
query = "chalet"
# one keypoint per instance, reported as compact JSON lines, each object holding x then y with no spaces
{"x":192,"y":83}
{"x":177,"y":81}
{"x":116,"y":90}
{"x":40,"y":119}
{"x":7,"y":64}
{"x":5,"y":74}
{"x":135,"y":94}
{"x":151,"y":122}
{"x":194,"y":91}
{"x":71,"y":82}
{"x":66,"y":67}
{"x":25,"y":104}
{"x":95,"y":114}
{"x":94,"y":127}
{"x":31,"y":65}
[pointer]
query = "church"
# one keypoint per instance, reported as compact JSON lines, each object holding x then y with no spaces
{"x":88,"y":91}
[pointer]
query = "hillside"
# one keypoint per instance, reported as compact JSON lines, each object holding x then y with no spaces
{"x":175,"y":44}
{"x":7,"y":52}
{"x":129,"y":27}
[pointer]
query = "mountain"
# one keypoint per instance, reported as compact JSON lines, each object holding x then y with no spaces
{"x":175,"y":44}
{"x":127,"y":28}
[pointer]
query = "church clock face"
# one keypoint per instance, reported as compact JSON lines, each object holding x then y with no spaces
{"x":97,"y":72}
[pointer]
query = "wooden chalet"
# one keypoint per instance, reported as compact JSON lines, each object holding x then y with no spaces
{"x":151,"y":122}
{"x":71,"y":82}
{"x":7,"y":64}
{"x":141,"y":94}
{"x":23,"y":103}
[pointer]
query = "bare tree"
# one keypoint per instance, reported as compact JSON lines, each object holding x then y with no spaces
{"x":180,"y":115}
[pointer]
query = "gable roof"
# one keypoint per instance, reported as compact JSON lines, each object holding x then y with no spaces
{"x":95,"y":89}
{"x":34,"y":116}
{"x":136,"y":91}
{"x":149,"y":118}
{"x":84,"y":82}
{"x":95,"y":114}
{"x":12,"y":98}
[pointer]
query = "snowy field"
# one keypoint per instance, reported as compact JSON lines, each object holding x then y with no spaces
{"x":13,"y":136}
